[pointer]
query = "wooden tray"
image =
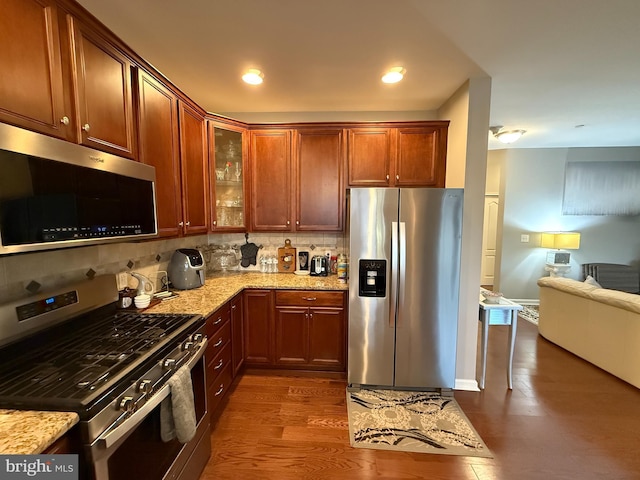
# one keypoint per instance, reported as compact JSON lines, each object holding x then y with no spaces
{"x":287,"y":258}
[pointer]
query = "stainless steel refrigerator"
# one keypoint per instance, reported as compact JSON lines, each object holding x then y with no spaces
{"x":404,"y":286}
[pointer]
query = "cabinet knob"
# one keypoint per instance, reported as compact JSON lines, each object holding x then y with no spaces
{"x":397,"y":177}
{"x":297,"y":222}
{"x":181,"y":224}
{"x":387,"y":178}
{"x":215,"y":222}
{"x":188,"y":224}
{"x":86,"y":127}
{"x":64,"y":120}
{"x":288,"y":222}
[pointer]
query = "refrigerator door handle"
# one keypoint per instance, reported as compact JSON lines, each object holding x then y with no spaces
{"x":402,"y":269}
{"x":393,"y":283}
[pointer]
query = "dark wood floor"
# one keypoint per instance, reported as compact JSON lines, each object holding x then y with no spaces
{"x":564,"y":419}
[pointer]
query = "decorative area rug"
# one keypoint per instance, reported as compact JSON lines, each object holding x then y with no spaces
{"x":422,"y":422}
{"x":529,"y":313}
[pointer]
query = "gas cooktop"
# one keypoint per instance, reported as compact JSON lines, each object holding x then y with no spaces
{"x":74,"y":365}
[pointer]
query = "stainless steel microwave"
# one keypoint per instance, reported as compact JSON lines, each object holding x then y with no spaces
{"x":56,"y":194}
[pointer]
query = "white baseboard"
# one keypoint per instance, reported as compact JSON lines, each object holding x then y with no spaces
{"x":526,"y":301}
{"x":468,"y":384}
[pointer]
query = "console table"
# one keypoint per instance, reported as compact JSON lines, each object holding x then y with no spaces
{"x":503,"y":313}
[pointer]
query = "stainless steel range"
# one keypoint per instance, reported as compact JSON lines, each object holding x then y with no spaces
{"x":72,"y":350}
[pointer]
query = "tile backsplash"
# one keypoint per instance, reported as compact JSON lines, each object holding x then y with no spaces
{"x":42,"y":271}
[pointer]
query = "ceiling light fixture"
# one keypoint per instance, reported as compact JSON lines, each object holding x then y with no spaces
{"x":506,"y":136}
{"x":394,"y":75}
{"x":253,"y":76}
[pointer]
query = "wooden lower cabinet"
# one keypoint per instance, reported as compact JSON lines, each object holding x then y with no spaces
{"x":295,"y":329}
{"x":237,"y":333}
{"x":219,"y":371}
{"x":258,"y":327}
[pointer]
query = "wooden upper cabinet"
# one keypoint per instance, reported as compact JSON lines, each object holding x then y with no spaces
{"x":227,"y":173}
{"x":270,"y":186}
{"x":420,"y":156}
{"x":194,"y":170}
{"x":102,"y":85}
{"x":319,"y":165}
{"x":31,"y":79}
{"x":411,"y":155}
{"x":159,"y":147}
{"x":370,"y":157}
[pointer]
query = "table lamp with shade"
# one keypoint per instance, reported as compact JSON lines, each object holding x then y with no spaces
{"x":558,"y":259}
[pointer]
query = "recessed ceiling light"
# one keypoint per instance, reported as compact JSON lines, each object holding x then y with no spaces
{"x":253,"y":76}
{"x":394,"y":75}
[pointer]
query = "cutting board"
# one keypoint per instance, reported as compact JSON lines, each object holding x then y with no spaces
{"x":286,"y":258}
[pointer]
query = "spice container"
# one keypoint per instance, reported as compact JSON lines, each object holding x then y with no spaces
{"x":342,"y":268}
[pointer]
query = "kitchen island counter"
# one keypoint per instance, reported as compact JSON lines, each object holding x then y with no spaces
{"x":24,"y":432}
{"x":220,"y":288}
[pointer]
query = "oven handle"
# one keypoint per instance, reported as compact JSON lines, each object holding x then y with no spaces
{"x":112,"y":435}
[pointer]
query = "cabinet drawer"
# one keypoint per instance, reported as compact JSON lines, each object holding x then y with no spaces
{"x":218,"y":343}
{"x":216,"y":365}
{"x":218,"y":389}
{"x":216,"y":321}
{"x":309,"y":298}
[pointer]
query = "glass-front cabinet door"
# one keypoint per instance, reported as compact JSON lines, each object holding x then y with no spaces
{"x":227,"y":162}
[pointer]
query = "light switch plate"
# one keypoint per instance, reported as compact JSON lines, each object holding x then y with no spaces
{"x":524,"y":238}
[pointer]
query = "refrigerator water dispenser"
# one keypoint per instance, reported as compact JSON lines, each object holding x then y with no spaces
{"x":372,"y":276}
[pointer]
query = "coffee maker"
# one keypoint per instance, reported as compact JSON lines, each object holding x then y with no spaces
{"x":319,"y":266}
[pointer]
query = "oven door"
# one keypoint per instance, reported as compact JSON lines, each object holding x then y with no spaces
{"x":135,"y":449}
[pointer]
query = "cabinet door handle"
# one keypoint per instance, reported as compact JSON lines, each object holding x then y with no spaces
{"x":64,"y":120}
{"x":218,"y":321}
{"x":310,"y":299}
{"x":233,"y":307}
{"x":86,"y":127}
{"x":219,"y":391}
{"x":219,"y":365}
{"x":218,"y":343}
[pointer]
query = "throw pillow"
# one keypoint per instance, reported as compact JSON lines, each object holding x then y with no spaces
{"x":592,"y":281}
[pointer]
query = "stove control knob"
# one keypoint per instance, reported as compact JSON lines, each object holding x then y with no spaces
{"x":197,"y":337}
{"x":144,"y":386}
{"x":126,"y":404}
{"x":169,"y":363}
{"x":188,"y":346}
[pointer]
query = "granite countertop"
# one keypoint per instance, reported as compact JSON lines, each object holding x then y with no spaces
{"x":31,"y":432}
{"x":220,"y":288}
{"x":24,"y":432}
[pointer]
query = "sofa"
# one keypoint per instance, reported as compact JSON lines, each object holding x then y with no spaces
{"x":597,"y":324}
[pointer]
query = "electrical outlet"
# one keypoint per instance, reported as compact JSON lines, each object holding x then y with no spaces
{"x":123,"y":280}
{"x":524,"y":238}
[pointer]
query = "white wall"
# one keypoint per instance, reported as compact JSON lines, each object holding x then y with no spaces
{"x":468,"y":110}
{"x":532,"y":183}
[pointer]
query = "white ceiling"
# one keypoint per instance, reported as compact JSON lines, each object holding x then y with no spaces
{"x":554,"y":64}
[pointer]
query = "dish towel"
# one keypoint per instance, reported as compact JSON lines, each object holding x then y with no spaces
{"x":177,"y":411}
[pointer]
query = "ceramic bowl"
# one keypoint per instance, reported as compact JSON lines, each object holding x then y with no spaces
{"x":142,"y":301}
{"x":492,"y":297}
